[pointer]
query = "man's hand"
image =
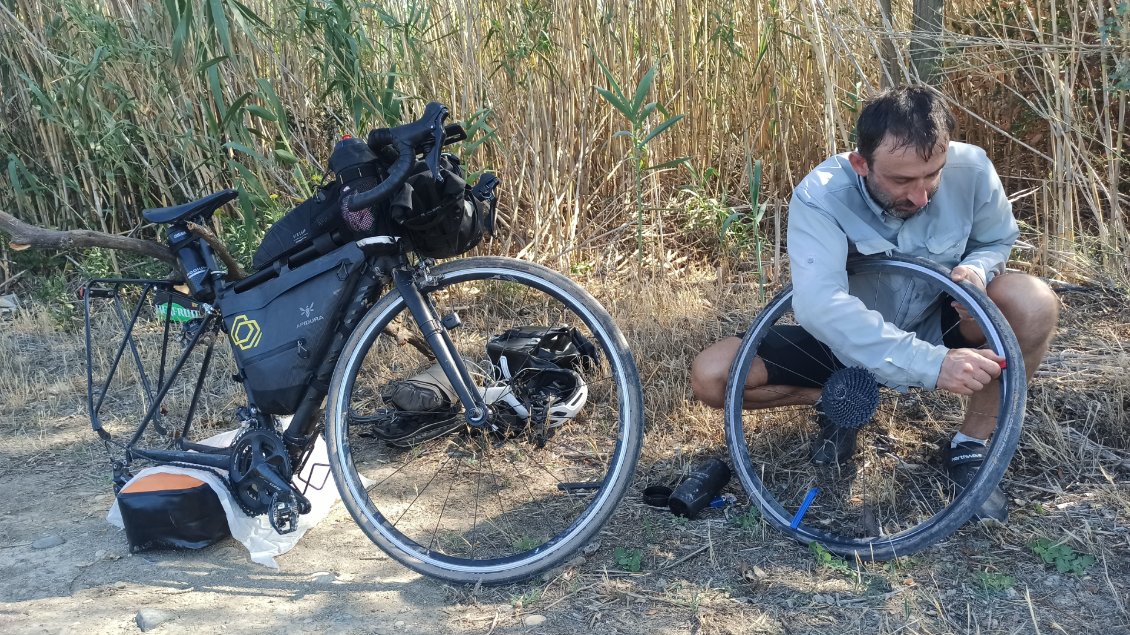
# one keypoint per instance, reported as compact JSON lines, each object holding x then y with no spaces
{"x":968,"y":274}
{"x":967,"y":370}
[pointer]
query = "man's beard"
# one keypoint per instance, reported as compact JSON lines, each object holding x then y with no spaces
{"x":891,"y":206}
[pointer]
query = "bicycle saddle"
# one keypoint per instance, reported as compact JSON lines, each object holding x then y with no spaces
{"x":200,"y":207}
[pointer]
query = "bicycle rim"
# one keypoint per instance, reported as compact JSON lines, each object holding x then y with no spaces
{"x":893,"y":497}
{"x":476,"y":505}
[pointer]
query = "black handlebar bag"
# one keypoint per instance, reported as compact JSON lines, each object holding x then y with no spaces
{"x":445,"y":217}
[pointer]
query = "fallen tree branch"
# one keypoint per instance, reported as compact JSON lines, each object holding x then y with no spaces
{"x":403,"y":336}
{"x":24,"y":236}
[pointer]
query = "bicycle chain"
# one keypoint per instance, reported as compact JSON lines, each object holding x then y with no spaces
{"x":121,"y":468}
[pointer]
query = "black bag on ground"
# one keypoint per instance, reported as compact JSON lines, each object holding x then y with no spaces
{"x":420,"y":408}
{"x":445,"y":217}
{"x":425,"y":392}
{"x":163,"y":511}
{"x":562,"y":346}
{"x":280,"y":328}
{"x":355,"y":170}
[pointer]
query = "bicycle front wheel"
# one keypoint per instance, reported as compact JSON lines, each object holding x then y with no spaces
{"x":514,"y":498}
{"x":893,"y":498}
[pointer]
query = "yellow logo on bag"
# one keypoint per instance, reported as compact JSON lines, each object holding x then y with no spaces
{"x":245,"y":332}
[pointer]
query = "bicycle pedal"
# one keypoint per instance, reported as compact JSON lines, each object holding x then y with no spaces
{"x":283,"y":514}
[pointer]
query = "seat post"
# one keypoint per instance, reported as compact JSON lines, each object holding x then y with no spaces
{"x":196,"y":258}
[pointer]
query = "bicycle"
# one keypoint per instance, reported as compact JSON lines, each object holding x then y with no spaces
{"x":891,"y":500}
{"x":511,"y":480}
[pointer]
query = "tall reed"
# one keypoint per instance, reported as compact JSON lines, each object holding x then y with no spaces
{"x":112,"y":106}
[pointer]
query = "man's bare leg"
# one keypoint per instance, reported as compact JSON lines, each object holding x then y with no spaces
{"x":710,"y":371}
{"x":1032,"y":310}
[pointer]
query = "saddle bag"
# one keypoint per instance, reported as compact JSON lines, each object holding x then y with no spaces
{"x":280,"y":328}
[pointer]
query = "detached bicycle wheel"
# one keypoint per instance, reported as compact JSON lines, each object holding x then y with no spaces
{"x":513,"y":498}
{"x":893,"y":498}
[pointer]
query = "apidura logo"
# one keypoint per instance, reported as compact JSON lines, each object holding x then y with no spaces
{"x":306,"y":311}
{"x":245,"y":332}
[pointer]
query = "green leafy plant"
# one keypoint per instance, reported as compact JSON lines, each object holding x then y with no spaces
{"x":525,"y":42}
{"x":1064,"y":558}
{"x":525,"y":543}
{"x":480,"y":133}
{"x":901,"y":564}
{"x":993,"y":581}
{"x":829,"y":560}
{"x":529,"y":598}
{"x":628,"y":559}
{"x":581,"y":267}
{"x":751,"y":222}
{"x":748,"y":521}
{"x":640,"y":134}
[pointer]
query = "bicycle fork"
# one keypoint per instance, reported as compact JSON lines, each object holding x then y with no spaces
{"x":435,"y":331}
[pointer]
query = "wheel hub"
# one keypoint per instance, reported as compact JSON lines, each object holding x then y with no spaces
{"x":850,"y":397}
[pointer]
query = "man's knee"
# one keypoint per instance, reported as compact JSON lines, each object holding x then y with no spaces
{"x":709,"y":371}
{"x":1029,"y":305}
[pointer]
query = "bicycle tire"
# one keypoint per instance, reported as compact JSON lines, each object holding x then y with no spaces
{"x":872,"y":509}
{"x":474,"y":506}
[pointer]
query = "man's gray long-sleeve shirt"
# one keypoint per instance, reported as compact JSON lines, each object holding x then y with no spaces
{"x":968,"y":221}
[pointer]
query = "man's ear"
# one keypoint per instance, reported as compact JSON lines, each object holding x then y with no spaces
{"x":858,"y":163}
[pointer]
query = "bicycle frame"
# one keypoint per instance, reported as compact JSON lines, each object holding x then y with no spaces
{"x":410,"y":281}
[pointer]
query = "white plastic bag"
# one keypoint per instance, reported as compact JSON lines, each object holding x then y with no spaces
{"x":261,"y":540}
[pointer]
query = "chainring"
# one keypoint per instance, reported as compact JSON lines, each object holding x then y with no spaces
{"x":251,"y":447}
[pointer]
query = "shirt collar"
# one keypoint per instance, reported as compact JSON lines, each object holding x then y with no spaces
{"x":878,"y":211}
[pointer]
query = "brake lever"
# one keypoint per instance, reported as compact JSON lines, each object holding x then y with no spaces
{"x":438,"y":132}
{"x":453,"y":133}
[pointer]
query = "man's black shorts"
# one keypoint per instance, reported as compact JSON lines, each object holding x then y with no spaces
{"x":793,"y":357}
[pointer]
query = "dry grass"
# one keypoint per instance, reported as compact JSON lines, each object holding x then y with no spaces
{"x":727,"y":572}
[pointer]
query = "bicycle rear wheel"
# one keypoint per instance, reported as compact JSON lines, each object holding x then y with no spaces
{"x":477,"y":505}
{"x":894,"y":497}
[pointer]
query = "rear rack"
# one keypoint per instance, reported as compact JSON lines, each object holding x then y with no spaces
{"x":177,"y":307}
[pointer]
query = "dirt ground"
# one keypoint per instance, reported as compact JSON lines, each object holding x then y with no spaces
{"x":64,"y":569}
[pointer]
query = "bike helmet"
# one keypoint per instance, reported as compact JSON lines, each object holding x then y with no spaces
{"x":562,"y":392}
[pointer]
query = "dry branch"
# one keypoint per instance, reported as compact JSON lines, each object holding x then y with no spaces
{"x":24,"y":235}
{"x":403,"y":336}
{"x":235,"y":272}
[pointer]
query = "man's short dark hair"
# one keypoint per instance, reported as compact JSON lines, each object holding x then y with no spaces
{"x":913,"y":115}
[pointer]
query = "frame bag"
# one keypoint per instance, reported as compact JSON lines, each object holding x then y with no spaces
{"x":280,"y":328}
